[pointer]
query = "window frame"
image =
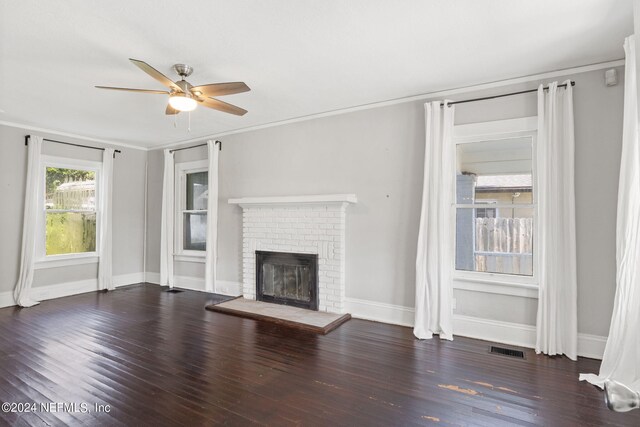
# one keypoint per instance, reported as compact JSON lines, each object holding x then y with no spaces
{"x":182,"y":169}
{"x":62,"y":260}
{"x":499,"y":283}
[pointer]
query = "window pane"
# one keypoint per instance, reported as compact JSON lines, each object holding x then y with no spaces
{"x":500,"y":244}
{"x":70,"y":189}
{"x":490,"y":237}
{"x":195,"y":231}
{"x":197,"y":191}
{"x":70,"y":232}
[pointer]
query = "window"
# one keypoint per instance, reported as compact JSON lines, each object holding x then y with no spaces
{"x":496,"y":171}
{"x":69,"y":221}
{"x":485,"y":212}
{"x":192,"y":194}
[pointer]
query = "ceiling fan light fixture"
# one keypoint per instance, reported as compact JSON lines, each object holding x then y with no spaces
{"x":182,"y":102}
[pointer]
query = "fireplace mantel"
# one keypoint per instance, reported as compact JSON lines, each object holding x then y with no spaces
{"x":281,"y":201}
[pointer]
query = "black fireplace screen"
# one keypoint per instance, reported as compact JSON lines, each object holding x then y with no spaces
{"x":287,"y":278}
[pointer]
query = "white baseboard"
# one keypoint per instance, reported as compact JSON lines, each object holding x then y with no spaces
{"x":591,"y":346}
{"x":152,"y":278}
{"x":43,"y":293}
{"x":517,"y":334}
{"x":128,"y":279}
{"x":379,"y":312}
{"x":227,"y":287}
{"x":189,"y":282}
{"x":224,"y":287}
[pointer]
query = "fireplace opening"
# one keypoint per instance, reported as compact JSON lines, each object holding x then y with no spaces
{"x":287,"y":278}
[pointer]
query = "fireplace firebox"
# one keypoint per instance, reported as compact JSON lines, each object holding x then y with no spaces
{"x":287,"y":278}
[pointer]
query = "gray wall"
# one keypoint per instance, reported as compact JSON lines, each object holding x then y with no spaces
{"x":373,"y":154}
{"x":378,"y":155}
{"x":155,"y":165}
{"x":128,"y":208}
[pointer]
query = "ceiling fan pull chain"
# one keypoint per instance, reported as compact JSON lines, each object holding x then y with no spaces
{"x":189,"y":125}
{"x":175,"y":121}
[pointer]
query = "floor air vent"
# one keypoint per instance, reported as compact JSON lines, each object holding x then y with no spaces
{"x":173,"y":291}
{"x":506,"y":352}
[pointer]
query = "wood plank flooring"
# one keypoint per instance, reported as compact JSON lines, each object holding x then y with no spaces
{"x":159,"y":359}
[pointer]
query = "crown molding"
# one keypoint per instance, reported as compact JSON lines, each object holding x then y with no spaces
{"x":71,"y":135}
{"x":413,"y":98}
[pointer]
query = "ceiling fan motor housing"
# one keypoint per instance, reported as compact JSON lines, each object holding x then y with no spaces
{"x":185,"y":86}
{"x":183,"y":70}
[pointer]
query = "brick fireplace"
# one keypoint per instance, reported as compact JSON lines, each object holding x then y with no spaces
{"x":298,"y":225}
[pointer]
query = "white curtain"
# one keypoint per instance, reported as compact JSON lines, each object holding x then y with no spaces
{"x":105,"y":267}
{"x":212,"y":219}
{"x":434,"y":262}
{"x":28,"y":252}
{"x":557,"y":320}
{"x":166,"y":224}
{"x":621,"y":361}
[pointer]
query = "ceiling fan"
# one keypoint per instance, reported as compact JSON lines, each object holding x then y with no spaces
{"x":183,"y":96}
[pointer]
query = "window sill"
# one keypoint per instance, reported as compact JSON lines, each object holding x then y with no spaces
{"x":66,"y":260}
{"x":496,"y":284}
{"x":190,"y":258}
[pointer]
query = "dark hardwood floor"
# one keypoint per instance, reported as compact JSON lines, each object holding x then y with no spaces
{"x":158,"y":358}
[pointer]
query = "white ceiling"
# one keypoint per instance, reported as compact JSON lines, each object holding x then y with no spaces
{"x":300,"y":57}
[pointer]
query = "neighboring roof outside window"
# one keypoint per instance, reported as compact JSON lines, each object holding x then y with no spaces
{"x":77,"y":185}
{"x":485,"y":182}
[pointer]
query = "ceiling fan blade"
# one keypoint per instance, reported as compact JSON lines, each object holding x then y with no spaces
{"x":170,"y":111}
{"x":216,"y":104}
{"x":219,"y":89}
{"x":156,"y":74}
{"x":164,"y":92}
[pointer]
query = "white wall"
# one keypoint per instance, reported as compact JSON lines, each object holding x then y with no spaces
{"x":128,"y":209}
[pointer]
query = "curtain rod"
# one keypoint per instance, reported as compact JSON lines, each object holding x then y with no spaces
{"x":26,"y":142}
{"x":196,"y":146}
{"x":464,"y":101}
